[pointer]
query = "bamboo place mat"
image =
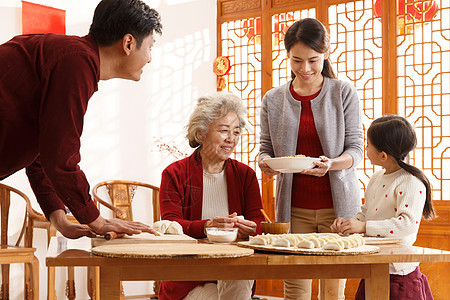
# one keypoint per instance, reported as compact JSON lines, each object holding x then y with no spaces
{"x":365,"y":249}
{"x":144,"y":238}
{"x":167,"y":250}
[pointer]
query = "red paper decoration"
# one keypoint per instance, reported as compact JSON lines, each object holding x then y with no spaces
{"x":252,"y":27}
{"x":221,"y":83}
{"x":411,"y":11}
{"x":38,"y":18}
{"x":221,"y":67}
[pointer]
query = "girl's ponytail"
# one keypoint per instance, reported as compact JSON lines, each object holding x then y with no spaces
{"x":428,"y":210}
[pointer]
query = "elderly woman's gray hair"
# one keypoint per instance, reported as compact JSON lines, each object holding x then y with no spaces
{"x":210,"y":108}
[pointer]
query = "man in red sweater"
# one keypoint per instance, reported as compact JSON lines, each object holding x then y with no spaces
{"x":46,"y":82}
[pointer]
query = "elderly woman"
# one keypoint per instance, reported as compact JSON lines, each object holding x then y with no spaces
{"x":209,"y":189}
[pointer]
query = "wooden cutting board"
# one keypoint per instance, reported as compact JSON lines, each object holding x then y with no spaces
{"x":144,"y":238}
{"x":365,"y":249}
{"x":167,"y":250}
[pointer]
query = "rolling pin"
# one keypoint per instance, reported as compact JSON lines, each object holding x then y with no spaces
{"x":110,"y":235}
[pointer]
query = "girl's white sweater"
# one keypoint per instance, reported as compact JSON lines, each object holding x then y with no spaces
{"x":393,"y":209}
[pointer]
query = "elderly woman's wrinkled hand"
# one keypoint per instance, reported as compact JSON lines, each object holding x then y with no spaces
{"x":246,"y":228}
{"x":222,"y":221}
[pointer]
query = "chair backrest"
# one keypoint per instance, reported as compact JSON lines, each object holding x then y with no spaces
{"x":6,"y":194}
{"x":121,"y":194}
{"x":17,"y":254}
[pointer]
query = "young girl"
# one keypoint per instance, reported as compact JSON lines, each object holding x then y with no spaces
{"x":395,"y":200}
{"x":317,"y":115}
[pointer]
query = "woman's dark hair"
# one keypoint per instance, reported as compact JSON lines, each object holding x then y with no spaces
{"x":395,"y":136}
{"x":312,"y":33}
{"x":115,"y":18}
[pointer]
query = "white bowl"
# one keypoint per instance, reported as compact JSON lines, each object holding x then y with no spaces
{"x":221,"y":235}
{"x":292,"y":164}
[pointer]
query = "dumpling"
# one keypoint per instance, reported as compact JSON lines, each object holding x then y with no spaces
{"x":353,"y":243}
{"x":358,"y":239}
{"x":316,"y":241}
{"x":281,"y":242}
{"x":257,"y":240}
{"x":322,"y":242}
{"x":306,"y":244}
{"x":334,"y":245}
{"x":333,"y":236}
{"x":328,"y":238}
{"x":310,"y":235}
{"x":346,"y":242}
{"x":340,"y":241}
{"x":362,"y":240}
{"x":293,"y":240}
{"x":268,"y":237}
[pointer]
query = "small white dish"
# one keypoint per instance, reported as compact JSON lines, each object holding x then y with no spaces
{"x":221,"y":235}
{"x":292,"y":164}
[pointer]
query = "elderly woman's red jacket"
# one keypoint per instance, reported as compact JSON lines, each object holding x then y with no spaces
{"x":180,"y":199}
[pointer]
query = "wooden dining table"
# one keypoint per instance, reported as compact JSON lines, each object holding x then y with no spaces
{"x":260,"y":265}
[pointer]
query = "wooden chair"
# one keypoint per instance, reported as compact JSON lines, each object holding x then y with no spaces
{"x":39,"y":221}
{"x":17,"y":254}
{"x":121,"y":194}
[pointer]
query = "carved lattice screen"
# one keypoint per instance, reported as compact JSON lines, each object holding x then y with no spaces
{"x":423,"y":72}
{"x":242,"y":45}
{"x":356,"y":53}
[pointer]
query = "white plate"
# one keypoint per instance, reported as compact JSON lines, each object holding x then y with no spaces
{"x":291,"y":164}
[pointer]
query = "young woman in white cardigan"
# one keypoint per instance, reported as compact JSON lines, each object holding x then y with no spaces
{"x":395,"y":200}
{"x":316,"y":115}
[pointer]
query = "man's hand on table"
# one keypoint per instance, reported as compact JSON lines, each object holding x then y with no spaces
{"x":99,"y":227}
{"x":68,"y":229}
